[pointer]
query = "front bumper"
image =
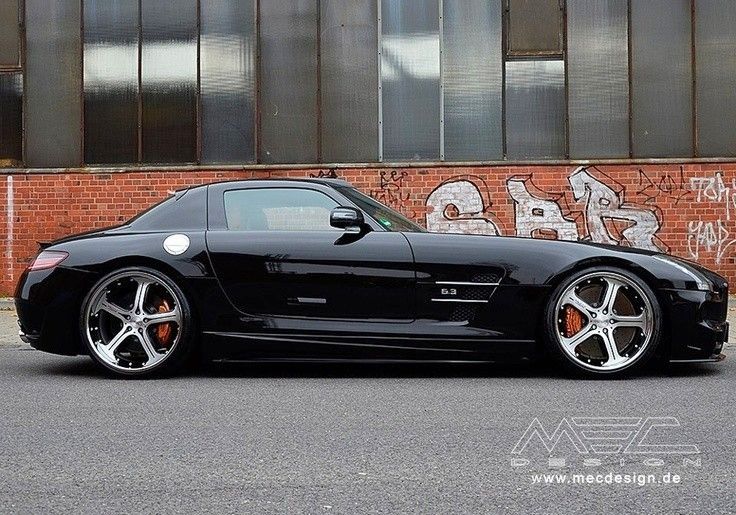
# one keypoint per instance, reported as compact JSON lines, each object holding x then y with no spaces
{"x":696,"y":325}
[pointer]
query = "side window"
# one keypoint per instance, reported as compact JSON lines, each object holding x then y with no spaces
{"x":278,"y":209}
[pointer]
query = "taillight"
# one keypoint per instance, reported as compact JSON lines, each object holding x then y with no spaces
{"x":47,"y":259}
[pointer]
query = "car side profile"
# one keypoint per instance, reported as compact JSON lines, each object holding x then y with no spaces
{"x":314,"y":270}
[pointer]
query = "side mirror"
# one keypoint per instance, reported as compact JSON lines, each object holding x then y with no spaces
{"x":347,"y":218}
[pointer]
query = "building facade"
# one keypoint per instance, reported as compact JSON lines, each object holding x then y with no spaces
{"x":601,"y":120}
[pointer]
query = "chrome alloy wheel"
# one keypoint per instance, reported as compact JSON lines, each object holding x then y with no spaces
{"x":604,"y":321}
{"x":133,"y":321}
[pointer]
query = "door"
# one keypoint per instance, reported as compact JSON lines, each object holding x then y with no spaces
{"x":276,"y":255}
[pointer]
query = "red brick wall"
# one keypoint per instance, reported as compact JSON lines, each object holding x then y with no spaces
{"x":688,"y":210}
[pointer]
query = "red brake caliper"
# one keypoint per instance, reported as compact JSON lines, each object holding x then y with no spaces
{"x":574,"y":321}
{"x":164,"y":331}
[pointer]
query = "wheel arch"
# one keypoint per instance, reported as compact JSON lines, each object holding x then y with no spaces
{"x":160,"y":266}
{"x":616,"y":262}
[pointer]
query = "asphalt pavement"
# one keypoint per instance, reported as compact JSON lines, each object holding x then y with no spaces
{"x":361,"y":439}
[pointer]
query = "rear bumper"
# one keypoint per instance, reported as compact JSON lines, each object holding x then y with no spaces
{"x":48,"y":304}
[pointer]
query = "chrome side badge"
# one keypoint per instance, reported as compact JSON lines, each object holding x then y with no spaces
{"x":176,"y":244}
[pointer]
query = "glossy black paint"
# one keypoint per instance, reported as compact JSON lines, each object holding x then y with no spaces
{"x":341,"y":295}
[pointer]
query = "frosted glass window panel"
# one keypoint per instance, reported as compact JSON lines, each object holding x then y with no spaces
{"x":9,"y":39}
{"x":535,"y":109}
{"x":288,"y":96}
{"x":472,"y":70}
{"x":11,"y":119}
{"x":534,"y":26}
{"x":715,"y":46}
{"x":53,"y":83}
{"x":228,"y":80}
{"x":598,"y":78}
{"x":169,"y":81}
{"x":661,"y":78}
{"x":410,"y":76}
{"x":111,"y":82}
{"x":349,"y":78}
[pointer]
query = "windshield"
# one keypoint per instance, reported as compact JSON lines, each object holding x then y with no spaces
{"x":387,"y":217}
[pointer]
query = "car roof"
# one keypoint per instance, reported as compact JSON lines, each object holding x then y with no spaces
{"x":326,"y":181}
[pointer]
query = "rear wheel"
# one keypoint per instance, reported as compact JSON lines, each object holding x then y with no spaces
{"x":603,"y":321}
{"x":137,"y":322}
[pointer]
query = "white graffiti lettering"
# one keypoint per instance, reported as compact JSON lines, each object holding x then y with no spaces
{"x":710,"y":237}
{"x":458,"y":207}
{"x":536,"y":216}
{"x":604,"y":206}
{"x":715,"y":189}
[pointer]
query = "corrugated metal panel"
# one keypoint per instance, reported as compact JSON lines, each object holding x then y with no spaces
{"x":11,"y":119}
{"x":598,"y":78}
{"x":9,"y":40}
{"x":349,"y":81}
{"x":169,"y":81}
{"x":53,"y":81}
{"x":535,"y":109}
{"x":410,"y":75}
{"x":715,"y":45}
{"x":661,"y":78}
{"x":288,"y":45}
{"x":472,"y":70}
{"x":111,"y":82}
{"x":228,"y":80}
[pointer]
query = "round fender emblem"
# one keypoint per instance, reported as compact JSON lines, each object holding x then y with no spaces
{"x":176,"y":244}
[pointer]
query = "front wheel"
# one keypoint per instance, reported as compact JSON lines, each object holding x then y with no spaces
{"x":137,"y":322}
{"x":603,"y":322}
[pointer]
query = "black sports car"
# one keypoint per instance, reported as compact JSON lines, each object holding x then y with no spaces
{"x":315,"y":270}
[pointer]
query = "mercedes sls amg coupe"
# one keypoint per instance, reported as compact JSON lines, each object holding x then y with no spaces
{"x":314,"y":270}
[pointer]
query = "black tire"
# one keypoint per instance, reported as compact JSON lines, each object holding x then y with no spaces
{"x":552,"y":339}
{"x":175,"y":360}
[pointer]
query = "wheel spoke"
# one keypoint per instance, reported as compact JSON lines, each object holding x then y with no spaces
{"x":614,"y":356}
{"x":148,"y":348}
{"x":116,"y":340}
{"x":161,"y":318}
{"x":575,"y":340}
{"x":639,"y":321}
{"x":114,"y":310}
{"x":140,"y":295}
{"x":575,"y":301}
{"x":610,"y":295}
{"x":108,"y":348}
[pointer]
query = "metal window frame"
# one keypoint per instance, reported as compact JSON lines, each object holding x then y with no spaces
{"x":441,"y":31}
{"x":507,"y":55}
{"x":19,"y":67}
{"x":542,"y":54}
{"x":380,"y":80}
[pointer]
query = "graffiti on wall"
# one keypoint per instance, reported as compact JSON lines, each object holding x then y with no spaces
{"x":392,"y":191}
{"x":657,"y":186}
{"x":605,"y":214}
{"x":325,"y":174}
{"x":609,"y":218}
{"x":458,"y":206}
{"x":537,"y":217}
{"x":712,"y":237}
